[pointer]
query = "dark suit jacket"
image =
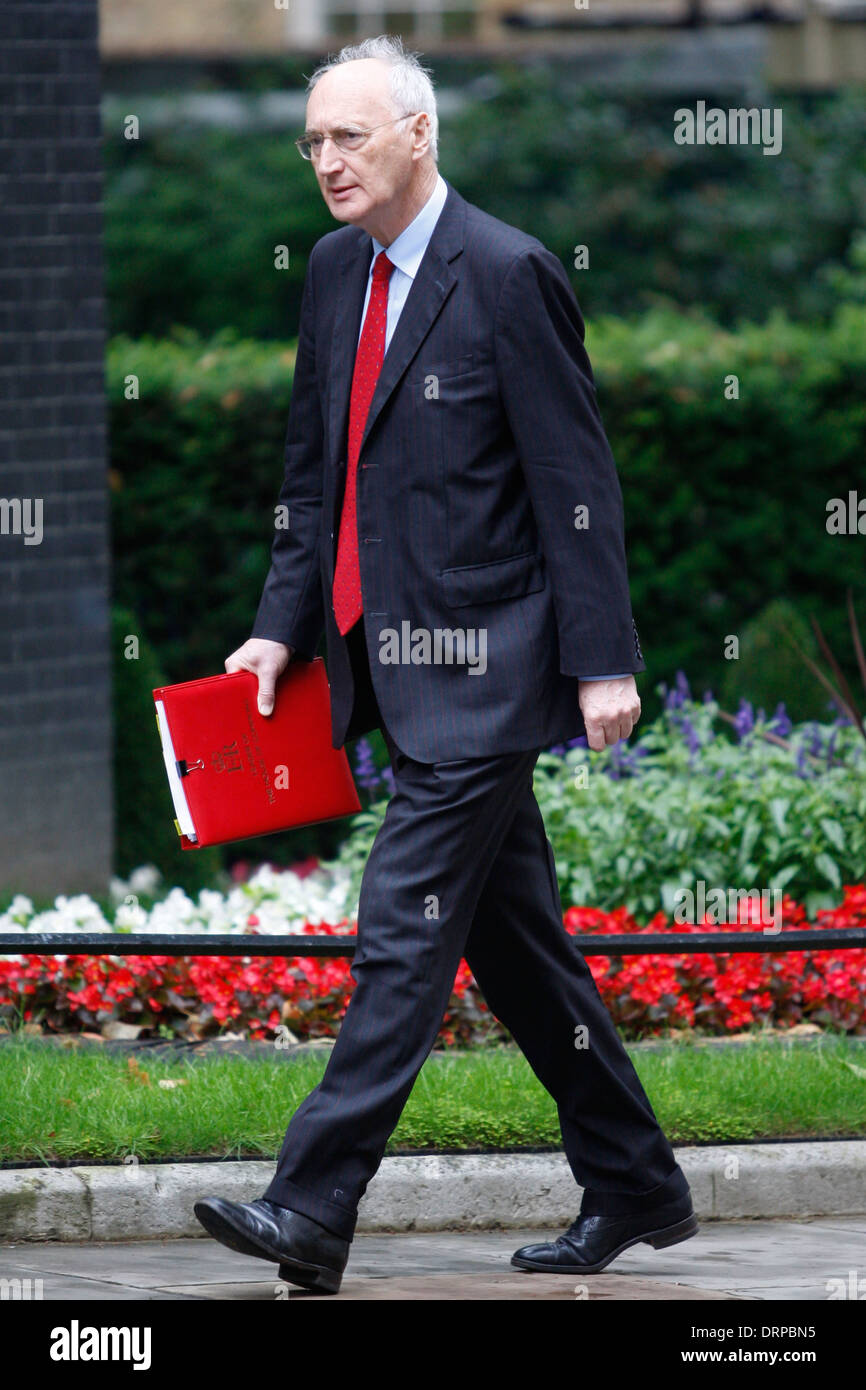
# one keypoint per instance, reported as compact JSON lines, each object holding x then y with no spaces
{"x":466,"y":503}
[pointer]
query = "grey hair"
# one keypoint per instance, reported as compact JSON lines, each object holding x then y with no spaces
{"x":409,"y":83}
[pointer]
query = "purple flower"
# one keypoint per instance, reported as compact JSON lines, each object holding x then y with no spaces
{"x":615,"y":763}
{"x":676,"y":698}
{"x":744,"y":719}
{"x":690,"y":734}
{"x":624,"y":761}
{"x":780,"y":723}
{"x":365,"y":765}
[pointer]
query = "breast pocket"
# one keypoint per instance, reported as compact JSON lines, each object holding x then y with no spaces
{"x":428,"y":376}
{"x":498,"y":579}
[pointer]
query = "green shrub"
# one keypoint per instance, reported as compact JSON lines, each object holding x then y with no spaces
{"x":143,"y":808}
{"x":769,"y":670}
{"x":687,"y":801}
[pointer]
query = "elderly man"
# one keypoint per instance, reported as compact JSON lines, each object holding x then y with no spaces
{"x":450,"y":490}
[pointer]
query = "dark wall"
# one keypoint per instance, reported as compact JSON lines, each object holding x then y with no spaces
{"x":55,"y":696}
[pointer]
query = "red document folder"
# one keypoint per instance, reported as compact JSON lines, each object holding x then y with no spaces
{"x":235,"y":773}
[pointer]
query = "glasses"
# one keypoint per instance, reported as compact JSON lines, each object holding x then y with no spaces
{"x":346,"y":138}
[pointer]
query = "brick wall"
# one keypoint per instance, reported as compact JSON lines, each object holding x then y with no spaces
{"x":55,"y":696}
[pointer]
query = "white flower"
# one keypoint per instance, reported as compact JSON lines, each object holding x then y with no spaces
{"x":131,"y":915}
{"x":17,"y":913}
{"x":145,"y":879}
{"x":281,"y":900}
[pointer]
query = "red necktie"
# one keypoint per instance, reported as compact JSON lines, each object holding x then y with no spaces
{"x":348,"y":605}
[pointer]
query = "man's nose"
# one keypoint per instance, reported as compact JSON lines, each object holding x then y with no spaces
{"x":330,"y":156}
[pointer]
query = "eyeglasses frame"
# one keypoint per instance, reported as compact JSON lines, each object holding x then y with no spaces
{"x":326,"y":135}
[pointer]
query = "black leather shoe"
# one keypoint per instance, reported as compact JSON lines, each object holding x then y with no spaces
{"x":591,"y":1242}
{"x":306,"y":1252}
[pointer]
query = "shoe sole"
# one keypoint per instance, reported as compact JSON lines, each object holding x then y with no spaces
{"x":318,"y":1278}
{"x":314,"y":1277}
{"x":666,"y":1235}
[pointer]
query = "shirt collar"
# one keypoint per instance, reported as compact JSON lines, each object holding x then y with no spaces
{"x":407,"y":250}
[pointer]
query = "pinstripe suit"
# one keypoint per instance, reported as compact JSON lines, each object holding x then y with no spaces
{"x":488,"y":502}
{"x":466,"y":502}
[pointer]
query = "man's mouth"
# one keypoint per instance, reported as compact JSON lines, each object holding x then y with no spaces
{"x":341,"y":192}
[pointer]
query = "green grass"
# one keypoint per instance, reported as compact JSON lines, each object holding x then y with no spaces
{"x":67,"y":1104}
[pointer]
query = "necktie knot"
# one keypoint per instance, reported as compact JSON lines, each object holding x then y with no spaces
{"x":383,"y":267}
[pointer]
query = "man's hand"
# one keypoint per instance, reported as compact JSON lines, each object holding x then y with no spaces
{"x":267,"y":660}
{"x":610,"y":709}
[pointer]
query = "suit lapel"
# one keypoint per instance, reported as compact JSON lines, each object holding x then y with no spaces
{"x":428,"y":292}
{"x":350,"y":290}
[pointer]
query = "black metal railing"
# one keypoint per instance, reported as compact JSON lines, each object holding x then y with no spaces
{"x":252,"y":944}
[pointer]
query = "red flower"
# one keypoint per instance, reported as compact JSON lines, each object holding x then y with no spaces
{"x":199,"y":995}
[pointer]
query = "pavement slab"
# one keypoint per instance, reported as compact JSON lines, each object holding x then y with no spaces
{"x":725,"y":1261}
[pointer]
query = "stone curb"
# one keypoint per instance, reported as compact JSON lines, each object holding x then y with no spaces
{"x":141,"y":1201}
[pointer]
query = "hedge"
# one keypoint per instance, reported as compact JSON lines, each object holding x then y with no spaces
{"x":193,"y":214}
{"x":726,"y":500}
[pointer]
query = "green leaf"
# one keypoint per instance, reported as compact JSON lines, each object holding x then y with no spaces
{"x":834,"y":832}
{"x":778,"y":810}
{"x":669,"y":894}
{"x":751,"y":832}
{"x":781,"y":877}
{"x":829,"y":868}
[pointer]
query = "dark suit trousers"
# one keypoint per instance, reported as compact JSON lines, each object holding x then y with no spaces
{"x":462,"y":866}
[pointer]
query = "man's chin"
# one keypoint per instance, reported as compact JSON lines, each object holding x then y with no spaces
{"x":349,"y":209}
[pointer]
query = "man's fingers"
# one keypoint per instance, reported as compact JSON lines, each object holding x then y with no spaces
{"x":263,"y":668}
{"x":266,"y":692}
{"x":266,"y":660}
{"x":595,"y":735}
{"x":602,"y":733}
{"x":610,"y":709}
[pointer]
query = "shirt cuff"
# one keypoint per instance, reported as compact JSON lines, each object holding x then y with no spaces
{"x":616,"y":677}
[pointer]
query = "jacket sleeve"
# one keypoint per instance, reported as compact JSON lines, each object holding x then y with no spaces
{"x":548,"y":392}
{"x":291,"y":606}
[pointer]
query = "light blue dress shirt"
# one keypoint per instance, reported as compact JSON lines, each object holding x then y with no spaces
{"x":406,"y":253}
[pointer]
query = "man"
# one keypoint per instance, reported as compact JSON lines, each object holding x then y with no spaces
{"x":456,"y":528}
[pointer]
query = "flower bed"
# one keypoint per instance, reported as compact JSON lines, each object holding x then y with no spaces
{"x":201,"y":996}
{"x":690,"y":798}
{"x":717,"y":993}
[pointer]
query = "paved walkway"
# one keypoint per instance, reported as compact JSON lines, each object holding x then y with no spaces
{"x":751,"y":1260}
